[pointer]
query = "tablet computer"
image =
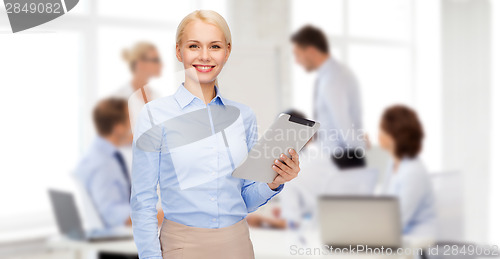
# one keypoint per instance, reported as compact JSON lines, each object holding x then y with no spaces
{"x":285,"y":133}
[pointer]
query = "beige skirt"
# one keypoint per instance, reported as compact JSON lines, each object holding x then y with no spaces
{"x":179,"y":241}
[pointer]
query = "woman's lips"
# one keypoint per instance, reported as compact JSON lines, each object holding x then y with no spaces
{"x":203,"y":68}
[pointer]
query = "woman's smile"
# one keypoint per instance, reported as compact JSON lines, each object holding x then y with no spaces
{"x":204,"y":68}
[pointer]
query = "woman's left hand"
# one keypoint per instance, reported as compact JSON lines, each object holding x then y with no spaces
{"x":287,"y":170}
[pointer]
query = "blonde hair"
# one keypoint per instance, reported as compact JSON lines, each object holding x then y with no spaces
{"x":207,"y":16}
{"x":136,"y":52}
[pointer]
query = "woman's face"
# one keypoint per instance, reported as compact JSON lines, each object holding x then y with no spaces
{"x":203,"y":51}
{"x":385,"y":140}
{"x":150,"y":65}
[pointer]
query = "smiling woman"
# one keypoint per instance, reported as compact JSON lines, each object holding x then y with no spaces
{"x":205,"y":206}
{"x":203,"y":43}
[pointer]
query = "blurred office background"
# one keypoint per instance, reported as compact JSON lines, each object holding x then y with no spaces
{"x":441,"y":57}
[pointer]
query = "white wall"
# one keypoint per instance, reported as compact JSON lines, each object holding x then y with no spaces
{"x":257,"y":72}
{"x":466,"y":105}
{"x":495,"y":118}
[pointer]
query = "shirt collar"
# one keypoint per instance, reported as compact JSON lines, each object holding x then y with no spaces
{"x":184,"y":97}
{"x":105,"y":146}
{"x":325,"y":65}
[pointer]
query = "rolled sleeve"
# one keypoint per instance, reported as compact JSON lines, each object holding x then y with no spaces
{"x":265,"y":191}
{"x":256,"y":194}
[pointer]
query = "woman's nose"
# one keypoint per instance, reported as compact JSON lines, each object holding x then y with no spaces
{"x":204,"y":55}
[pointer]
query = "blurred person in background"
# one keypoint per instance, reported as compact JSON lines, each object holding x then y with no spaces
{"x":401,"y":134}
{"x":337,"y":101}
{"x":102,"y":172}
{"x":144,"y":63}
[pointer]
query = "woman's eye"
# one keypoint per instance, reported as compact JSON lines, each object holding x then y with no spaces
{"x":193,"y":46}
{"x":216,"y":46}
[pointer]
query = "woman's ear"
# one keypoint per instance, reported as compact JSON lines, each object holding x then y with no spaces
{"x":178,"y":52}
{"x":228,"y":51}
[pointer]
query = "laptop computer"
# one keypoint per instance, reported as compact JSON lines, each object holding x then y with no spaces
{"x":370,"y":221}
{"x":70,"y":224}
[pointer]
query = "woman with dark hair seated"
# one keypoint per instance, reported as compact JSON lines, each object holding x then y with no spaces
{"x":401,"y":134}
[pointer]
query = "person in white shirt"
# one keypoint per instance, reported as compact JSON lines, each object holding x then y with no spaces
{"x":401,"y":134}
{"x":144,"y":63}
{"x":337,"y":102}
